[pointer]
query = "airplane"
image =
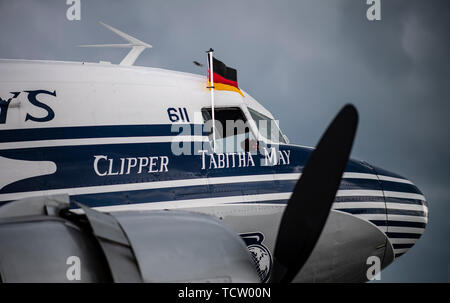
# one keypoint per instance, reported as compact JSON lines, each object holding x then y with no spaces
{"x":114,"y":166}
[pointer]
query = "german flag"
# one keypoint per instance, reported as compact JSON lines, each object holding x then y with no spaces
{"x":224,"y":77}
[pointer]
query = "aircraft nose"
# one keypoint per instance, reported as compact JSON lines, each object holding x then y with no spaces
{"x":406,"y":209}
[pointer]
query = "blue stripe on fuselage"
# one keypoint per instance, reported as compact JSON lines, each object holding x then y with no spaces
{"x":104,"y":131}
{"x":400,"y":187}
{"x":75,"y":166}
{"x":173,"y":194}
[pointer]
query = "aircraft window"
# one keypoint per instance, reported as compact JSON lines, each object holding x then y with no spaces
{"x":232,"y":130}
{"x":267,"y":127}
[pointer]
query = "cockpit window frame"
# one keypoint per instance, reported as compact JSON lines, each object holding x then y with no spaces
{"x":244,"y":112}
{"x":255,"y":126}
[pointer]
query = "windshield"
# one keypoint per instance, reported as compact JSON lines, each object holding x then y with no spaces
{"x":267,"y":127}
{"x":232,"y":131}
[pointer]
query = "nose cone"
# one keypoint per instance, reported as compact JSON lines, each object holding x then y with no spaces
{"x":406,"y":210}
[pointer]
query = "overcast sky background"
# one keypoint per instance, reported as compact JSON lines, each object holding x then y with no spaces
{"x":303,"y":60}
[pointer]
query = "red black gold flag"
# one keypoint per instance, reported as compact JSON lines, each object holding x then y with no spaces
{"x":224,"y":77}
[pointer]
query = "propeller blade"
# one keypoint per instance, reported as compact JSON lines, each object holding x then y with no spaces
{"x":308,"y":208}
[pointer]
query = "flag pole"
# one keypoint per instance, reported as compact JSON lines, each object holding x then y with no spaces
{"x":210,"y":54}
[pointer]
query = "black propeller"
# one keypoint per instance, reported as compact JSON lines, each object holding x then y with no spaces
{"x":308,"y":208}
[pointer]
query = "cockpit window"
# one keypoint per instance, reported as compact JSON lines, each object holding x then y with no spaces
{"x":267,"y":127}
{"x":232,"y":130}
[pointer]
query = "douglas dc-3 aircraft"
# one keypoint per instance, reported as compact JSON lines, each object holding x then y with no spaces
{"x":111,"y":173}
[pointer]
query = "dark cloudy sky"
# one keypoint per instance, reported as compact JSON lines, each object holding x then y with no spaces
{"x":303,"y":60}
